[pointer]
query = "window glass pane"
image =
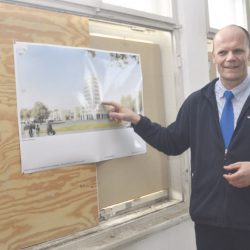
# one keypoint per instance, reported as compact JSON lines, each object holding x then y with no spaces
{"x":159,"y":7}
{"x":225,"y":12}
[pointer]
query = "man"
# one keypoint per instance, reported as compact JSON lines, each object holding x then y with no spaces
{"x":216,"y":127}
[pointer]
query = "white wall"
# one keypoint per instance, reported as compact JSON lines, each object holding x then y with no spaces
{"x":192,"y":18}
{"x":194,"y":57}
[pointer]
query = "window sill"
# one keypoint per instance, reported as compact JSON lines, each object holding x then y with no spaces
{"x":122,"y":229}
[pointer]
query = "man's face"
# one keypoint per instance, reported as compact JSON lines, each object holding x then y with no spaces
{"x":231,"y":55}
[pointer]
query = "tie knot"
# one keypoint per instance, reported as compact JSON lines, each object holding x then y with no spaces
{"x":228,"y":95}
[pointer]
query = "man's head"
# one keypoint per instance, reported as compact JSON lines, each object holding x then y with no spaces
{"x":231,"y":52}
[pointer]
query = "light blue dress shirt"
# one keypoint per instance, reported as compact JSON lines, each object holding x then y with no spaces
{"x":241,"y":93}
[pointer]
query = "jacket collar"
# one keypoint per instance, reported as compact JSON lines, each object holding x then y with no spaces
{"x":209,"y":92}
{"x":244,"y":109}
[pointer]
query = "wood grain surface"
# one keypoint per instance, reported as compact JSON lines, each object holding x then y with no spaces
{"x":41,"y":206}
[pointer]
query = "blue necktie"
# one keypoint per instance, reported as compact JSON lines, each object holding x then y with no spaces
{"x":227,"y":118}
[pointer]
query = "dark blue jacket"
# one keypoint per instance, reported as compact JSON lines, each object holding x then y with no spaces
{"x":213,"y":200}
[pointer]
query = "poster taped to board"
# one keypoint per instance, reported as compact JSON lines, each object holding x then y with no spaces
{"x":60,"y":116}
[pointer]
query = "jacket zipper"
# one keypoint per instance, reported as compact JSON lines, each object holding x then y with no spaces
{"x":225,"y":191}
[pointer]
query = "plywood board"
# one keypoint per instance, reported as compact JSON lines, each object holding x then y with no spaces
{"x":38,"y":207}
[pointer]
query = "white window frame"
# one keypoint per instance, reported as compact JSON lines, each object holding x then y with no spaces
{"x":179,"y":188}
{"x":99,"y":10}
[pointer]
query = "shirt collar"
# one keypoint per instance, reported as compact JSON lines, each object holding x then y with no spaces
{"x":237,"y":91}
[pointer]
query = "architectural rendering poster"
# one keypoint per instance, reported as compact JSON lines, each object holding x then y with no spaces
{"x":60,"y":115}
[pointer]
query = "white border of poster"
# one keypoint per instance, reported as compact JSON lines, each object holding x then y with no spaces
{"x":60,"y":116}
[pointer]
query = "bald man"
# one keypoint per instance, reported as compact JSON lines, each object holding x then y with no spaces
{"x":214,"y":123}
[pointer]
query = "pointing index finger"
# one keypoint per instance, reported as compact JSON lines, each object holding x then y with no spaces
{"x":114,"y":104}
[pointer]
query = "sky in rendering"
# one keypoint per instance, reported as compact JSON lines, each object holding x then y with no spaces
{"x":56,"y":75}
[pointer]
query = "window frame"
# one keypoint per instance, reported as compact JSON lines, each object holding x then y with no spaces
{"x":179,"y":187}
{"x":96,"y":9}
